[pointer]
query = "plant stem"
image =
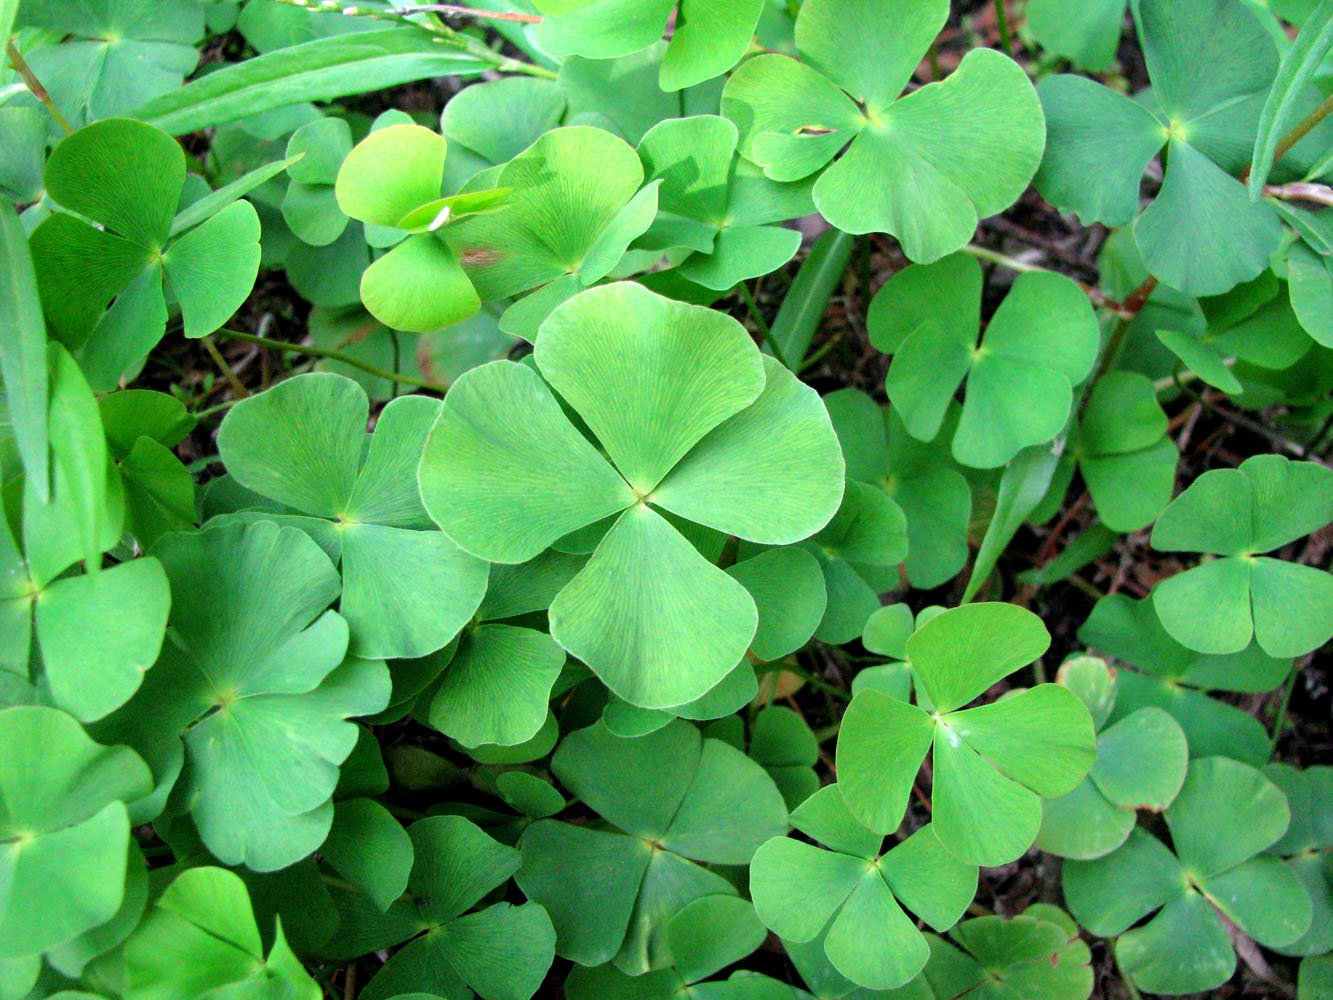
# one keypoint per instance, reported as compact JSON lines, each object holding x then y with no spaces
{"x":458,"y":40}
{"x":347,"y":359}
{"x":1282,"y":708}
{"x":235,"y":383}
{"x":1130,"y":308}
{"x":450,"y":8}
{"x":34,"y":85}
{"x":753,"y":307}
{"x":1302,"y":130}
{"x":1002,"y":22}
{"x":995,"y":257}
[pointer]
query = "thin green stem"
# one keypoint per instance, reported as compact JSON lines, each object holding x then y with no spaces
{"x":1002,"y":22}
{"x":1130,"y":308}
{"x":753,"y":308}
{"x":347,"y":359}
{"x":815,"y":357}
{"x":461,"y":11}
{"x":458,"y":40}
{"x":227,"y":405}
{"x":236,"y":386}
{"x":1303,"y":129}
{"x":1280,"y":721}
{"x":1012,"y":263}
{"x":34,"y":85}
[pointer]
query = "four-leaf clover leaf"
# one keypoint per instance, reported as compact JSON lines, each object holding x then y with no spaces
{"x":1202,"y":234}
{"x":407,"y":589}
{"x":851,"y":892}
{"x":923,"y":151}
{"x":1225,"y":815}
{"x":695,"y":422}
{"x":992,"y":764}
{"x":125,"y":178}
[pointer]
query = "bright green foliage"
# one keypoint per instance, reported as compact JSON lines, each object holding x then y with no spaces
{"x":851,"y":893}
{"x":709,"y":37}
{"x":420,"y":284}
{"x":1041,"y":342}
{"x":794,"y":117}
{"x":501,"y":952}
{"x":1224,"y":816}
{"x":685,"y":439}
{"x":992,"y":764}
{"x":1237,"y":514}
{"x":1202,"y":234}
{"x":704,"y":936}
{"x":201,"y":936}
{"x":249,"y":699}
{"x":1171,"y":676}
{"x":676,"y":797}
{"x":64,"y":831}
{"x":1124,"y":454}
{"x":127,"y":178}
{"x":310,"y":206}
{"x":1141,"y":764}
{"x":575,"y":208}
{"x":406,"y":588}
{"x":1036,"y":954}
{"x":926,"y":485}
{"x":491,"y":577}
{"x":1086,"y":33}
{"x":1306,"y":848}
{"x":122,"y":53}
{"x":23,"y":352}
{"x":709,"y":202}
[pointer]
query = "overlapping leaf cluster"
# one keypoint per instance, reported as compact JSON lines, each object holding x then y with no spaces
{"x":309,"y":687}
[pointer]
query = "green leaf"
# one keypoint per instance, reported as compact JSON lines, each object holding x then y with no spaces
{"x":319,"y":70}
{"x":138,"y":207}
{"x":1095,"y":172}
{"x":1236,"y":513}
{"x":497,"y":687}
{"x":655,"y":345}
{"x":1226,"y":813}
{"x":367,"y":846}
{"x":1141,"y":760}
{"x":881,"y":746}
{"x":201,"y":936}
{"x":259,"y":688}
{"x":65,"y":828}
{"x":299,"y":442}
{"x":1085,"y":34}
{"x":23,"y":352}
{"x":771,"y":474}
{"x":875,"y":63}
{"x":419,"y":286}
{"x":987,"y":107}
{"x":504,"y":472}
{"x":798,"y":317}
{"x":788,"y":590}
{"x":568,"y":188}
{"x":1198,"y":198}
{"x":647,"y":579}
{"x":212,"y":268}
{"x":100,"y":634}
{"x":390,"y":173}
{"x":959,"y":654}
{"x":121,"y":55}
{"x":588,"y":880}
